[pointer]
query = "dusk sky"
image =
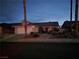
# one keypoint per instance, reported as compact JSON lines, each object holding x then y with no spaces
{"x":37,"y":10}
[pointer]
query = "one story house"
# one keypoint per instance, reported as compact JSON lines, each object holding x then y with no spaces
{"x":18,"y":28}
{"x":70,"y":25}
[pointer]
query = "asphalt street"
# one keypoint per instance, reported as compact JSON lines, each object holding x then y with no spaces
{"x":39,"y":50}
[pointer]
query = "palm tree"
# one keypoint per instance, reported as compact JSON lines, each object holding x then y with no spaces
{"x":76,"y":15}
{"x":71,"y":15}
{"x":25,"y":19}
{"x":70,"y":10}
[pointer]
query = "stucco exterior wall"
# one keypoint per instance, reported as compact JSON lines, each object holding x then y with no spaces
{"x":50,"y":28}
{"x":31,"y":28}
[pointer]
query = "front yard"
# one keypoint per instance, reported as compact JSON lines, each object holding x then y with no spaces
{"x":7,"y":37}
{"x":40,"y":38}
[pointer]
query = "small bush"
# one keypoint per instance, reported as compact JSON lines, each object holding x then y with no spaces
{"x":55,"y":33}
{"x":34,"y":34}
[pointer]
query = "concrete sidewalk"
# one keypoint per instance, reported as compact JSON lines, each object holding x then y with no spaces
{"x":46,"y":40}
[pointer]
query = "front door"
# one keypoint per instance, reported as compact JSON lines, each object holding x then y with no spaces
{"x":40,"y":30}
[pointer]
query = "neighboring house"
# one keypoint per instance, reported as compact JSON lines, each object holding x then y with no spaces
{"x":69,"y":25}
{"x":8,"y":28}
{"x":18,"y":28}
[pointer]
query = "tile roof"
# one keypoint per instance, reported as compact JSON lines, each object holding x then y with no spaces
{"x":46,"y":23}
{"x":9,"y":24}
{"x":43,"y":24}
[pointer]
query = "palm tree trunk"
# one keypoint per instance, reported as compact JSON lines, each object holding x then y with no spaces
{"x":70,"y":10}
{"x":25,"y":19}
{"x":76,"y":16}
{"x":71,"y":15}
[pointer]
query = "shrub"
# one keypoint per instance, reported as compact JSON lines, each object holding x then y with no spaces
{"x":34,"y":34}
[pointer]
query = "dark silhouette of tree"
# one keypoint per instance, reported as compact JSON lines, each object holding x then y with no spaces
{"x":76,"y":15}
